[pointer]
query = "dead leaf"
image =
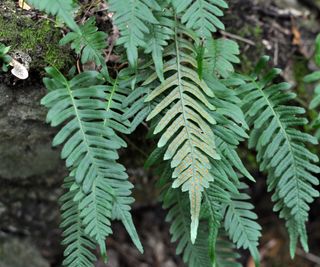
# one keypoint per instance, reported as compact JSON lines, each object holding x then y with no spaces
{"x":24,"y":5}
{"x":296,"y":36}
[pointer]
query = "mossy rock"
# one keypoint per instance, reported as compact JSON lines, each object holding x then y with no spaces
{"x":39,"y":38}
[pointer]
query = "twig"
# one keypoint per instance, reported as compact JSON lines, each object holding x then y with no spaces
{"x":311,"y":257}
{"x":135,"y":147}
{"x":237,"y":37}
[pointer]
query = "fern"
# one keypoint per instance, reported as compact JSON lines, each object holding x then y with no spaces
{"x":90,"y":43}
{"x":220,"y":56}
{"x":79,"y":245}
{"x":186,"y":125}
{"x":90,"y":148}
{"x":240,"y":223}
{"x":186,"y":89}
{"x":194,"y":254}
{"x":157,"y":39}
{"x":201,"y":15}
{"x":64,"y":9}
{"x":281,"y":148}
{"x":132,"y":17}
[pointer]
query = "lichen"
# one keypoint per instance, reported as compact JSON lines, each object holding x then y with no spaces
{"x":38,"y":38}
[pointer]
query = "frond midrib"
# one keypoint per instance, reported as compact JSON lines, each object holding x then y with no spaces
{"x":182,"y":100}
{"x":89,"y":151}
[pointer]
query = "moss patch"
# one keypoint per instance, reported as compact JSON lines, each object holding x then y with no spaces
{"x":39,"y":39}
{"x":300,"y":70}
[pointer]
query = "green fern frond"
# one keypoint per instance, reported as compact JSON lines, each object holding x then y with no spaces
{"x":95,"y":211}
{"x":78,"y":244}
{"x":89,"y":43}
{"x":201,"y":16}
{"x":197,"y":254}
{"x":281,"y":147}
{"x":186,"y":125}
{"x":226,"y":252}
{"x":135,"y":107}
{"x":64,"y":9}
{"x":91,"y":113}
{"x":231,"y":126}
{"x":132,"y":17}
{"x":240,"y":223}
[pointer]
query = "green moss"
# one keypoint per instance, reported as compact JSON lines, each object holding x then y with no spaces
{"x":300,"y":70}
{"x":248,"y":59}
{"x":39,"y":39}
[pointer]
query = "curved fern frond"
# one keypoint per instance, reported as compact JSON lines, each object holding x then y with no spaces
{"x":131,"y":17}
{"x":201,"y":15}
{"x":281,"y":148}
{"x":78,"y":244}
{"x":186,"y":125}
{"x":89,"y":43}
{"x":61,"y":8}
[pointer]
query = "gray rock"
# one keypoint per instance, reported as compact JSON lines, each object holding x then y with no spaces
{"x":20,"y":253}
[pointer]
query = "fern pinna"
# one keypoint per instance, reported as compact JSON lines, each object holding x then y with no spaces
{"x":179,"y":77}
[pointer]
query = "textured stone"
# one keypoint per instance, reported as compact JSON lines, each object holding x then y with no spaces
{"x":20,"y":253}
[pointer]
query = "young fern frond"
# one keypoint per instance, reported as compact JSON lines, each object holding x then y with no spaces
{"x":89,"y":43}
{"x":64,"y":9}
{"x":79,"y":246}
{"x":186,"y":125}
{"x":202,"y":16}
{"x":281,"y":147}
{"x":132,"y":17}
